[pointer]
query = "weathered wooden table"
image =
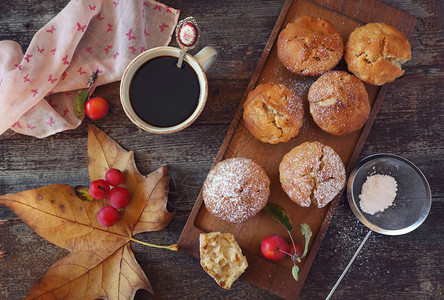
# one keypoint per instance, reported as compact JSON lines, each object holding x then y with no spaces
{"x":410,"y":123}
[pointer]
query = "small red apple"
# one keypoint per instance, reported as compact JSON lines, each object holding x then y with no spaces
{"x":108,"y":216}
{"x":114,"y":177}
{"x":271,"y":246}
{"x":99,"y":189}
{"x":96,"y":108}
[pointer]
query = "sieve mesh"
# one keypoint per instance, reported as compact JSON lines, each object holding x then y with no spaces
{"x":410,"y":208}
{"x":413,"y":198}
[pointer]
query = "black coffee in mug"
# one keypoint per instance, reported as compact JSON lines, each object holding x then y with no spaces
{"x":162,"y":94}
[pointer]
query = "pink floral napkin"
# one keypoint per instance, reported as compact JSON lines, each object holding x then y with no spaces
{"x":37,"y":89}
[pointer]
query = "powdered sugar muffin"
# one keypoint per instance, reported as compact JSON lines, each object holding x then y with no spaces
{"x":375,"y":53}
{"x":310,"y":46}
{"x":312,"y":172}
{"x":236,"y":189}
{"x":273,"y":113}
{"x":339,"y":102}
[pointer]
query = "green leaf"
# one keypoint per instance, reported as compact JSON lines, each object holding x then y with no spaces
{"x":306,"y":232}
{"x":279,"y":214}
{"x":83,"y":193}
{"x":295,"y":272}
{"x":79,"y":103}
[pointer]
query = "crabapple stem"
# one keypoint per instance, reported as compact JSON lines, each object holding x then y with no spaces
{"x":285,"y":252}
{"x":298,"y":259}
{"x":173,"y":247}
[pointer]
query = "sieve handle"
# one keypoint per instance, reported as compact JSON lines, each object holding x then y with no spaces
{"x":348,"y":266}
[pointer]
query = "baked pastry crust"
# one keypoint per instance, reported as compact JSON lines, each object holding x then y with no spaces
{"x":309,"y":46}
{"x":236,"y":189}
{"x":221,"y":257}
{"x":339,"y":102}
{"x":273,"y":113}
{"x":312,"y":172}
{"x":375,"y":52}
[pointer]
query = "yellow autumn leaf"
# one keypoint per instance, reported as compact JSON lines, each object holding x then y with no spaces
{"x":101,"y":263}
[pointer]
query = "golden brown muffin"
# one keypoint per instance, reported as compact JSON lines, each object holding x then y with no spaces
{"x":221,"y":257}
{"x":339,"y":102}
{"x":375,"y":52}
{"x":236,"y":189}
{"x":273,"y":113}
{"x":310,"y":46}
{"x":312,"y":172}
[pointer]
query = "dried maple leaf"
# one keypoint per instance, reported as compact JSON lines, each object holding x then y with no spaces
{"x":100,"y":263}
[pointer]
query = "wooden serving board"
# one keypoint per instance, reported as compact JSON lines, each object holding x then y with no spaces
{"x":276,"y":276}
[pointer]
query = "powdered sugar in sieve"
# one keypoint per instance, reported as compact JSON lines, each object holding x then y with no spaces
{"x":410,"y":209}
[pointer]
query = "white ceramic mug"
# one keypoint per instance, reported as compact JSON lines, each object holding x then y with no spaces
{"x":200,"y":63}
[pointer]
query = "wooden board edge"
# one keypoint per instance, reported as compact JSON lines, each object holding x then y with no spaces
{"x":190,"y":234}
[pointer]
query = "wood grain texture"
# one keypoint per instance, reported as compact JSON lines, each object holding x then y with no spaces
{"x":409,"y":123}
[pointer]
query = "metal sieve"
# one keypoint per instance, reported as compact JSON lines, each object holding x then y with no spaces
{"x":410,"y":208}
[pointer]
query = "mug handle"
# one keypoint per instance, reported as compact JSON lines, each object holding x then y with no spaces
{"x":206,"y":57}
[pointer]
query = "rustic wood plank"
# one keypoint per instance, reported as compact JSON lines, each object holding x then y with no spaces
{"x":427,"y":44}
{"x":369,"y":11}
{"x":412,"y":128}
{"x":409,"y":123}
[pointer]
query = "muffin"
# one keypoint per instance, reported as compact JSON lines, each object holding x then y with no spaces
{"x":339,"y":102}
{"x":221,"y":257}
{"x":312,"y":172}
{"x":273,"y":113}
{"x":236,"y":189}
{"x":309,"y":46}
{"x":375,"y":52}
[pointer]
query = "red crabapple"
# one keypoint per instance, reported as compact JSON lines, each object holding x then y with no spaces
{"x":96,"y":108}
{"x":114,"y":177}
{"x":99,"y":189}
{"x":271,"y":246}
{"x":119,"y":197}
{"x":108,"y":216}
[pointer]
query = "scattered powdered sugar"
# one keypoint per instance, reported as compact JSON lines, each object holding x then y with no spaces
{"x":378,"y":193}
